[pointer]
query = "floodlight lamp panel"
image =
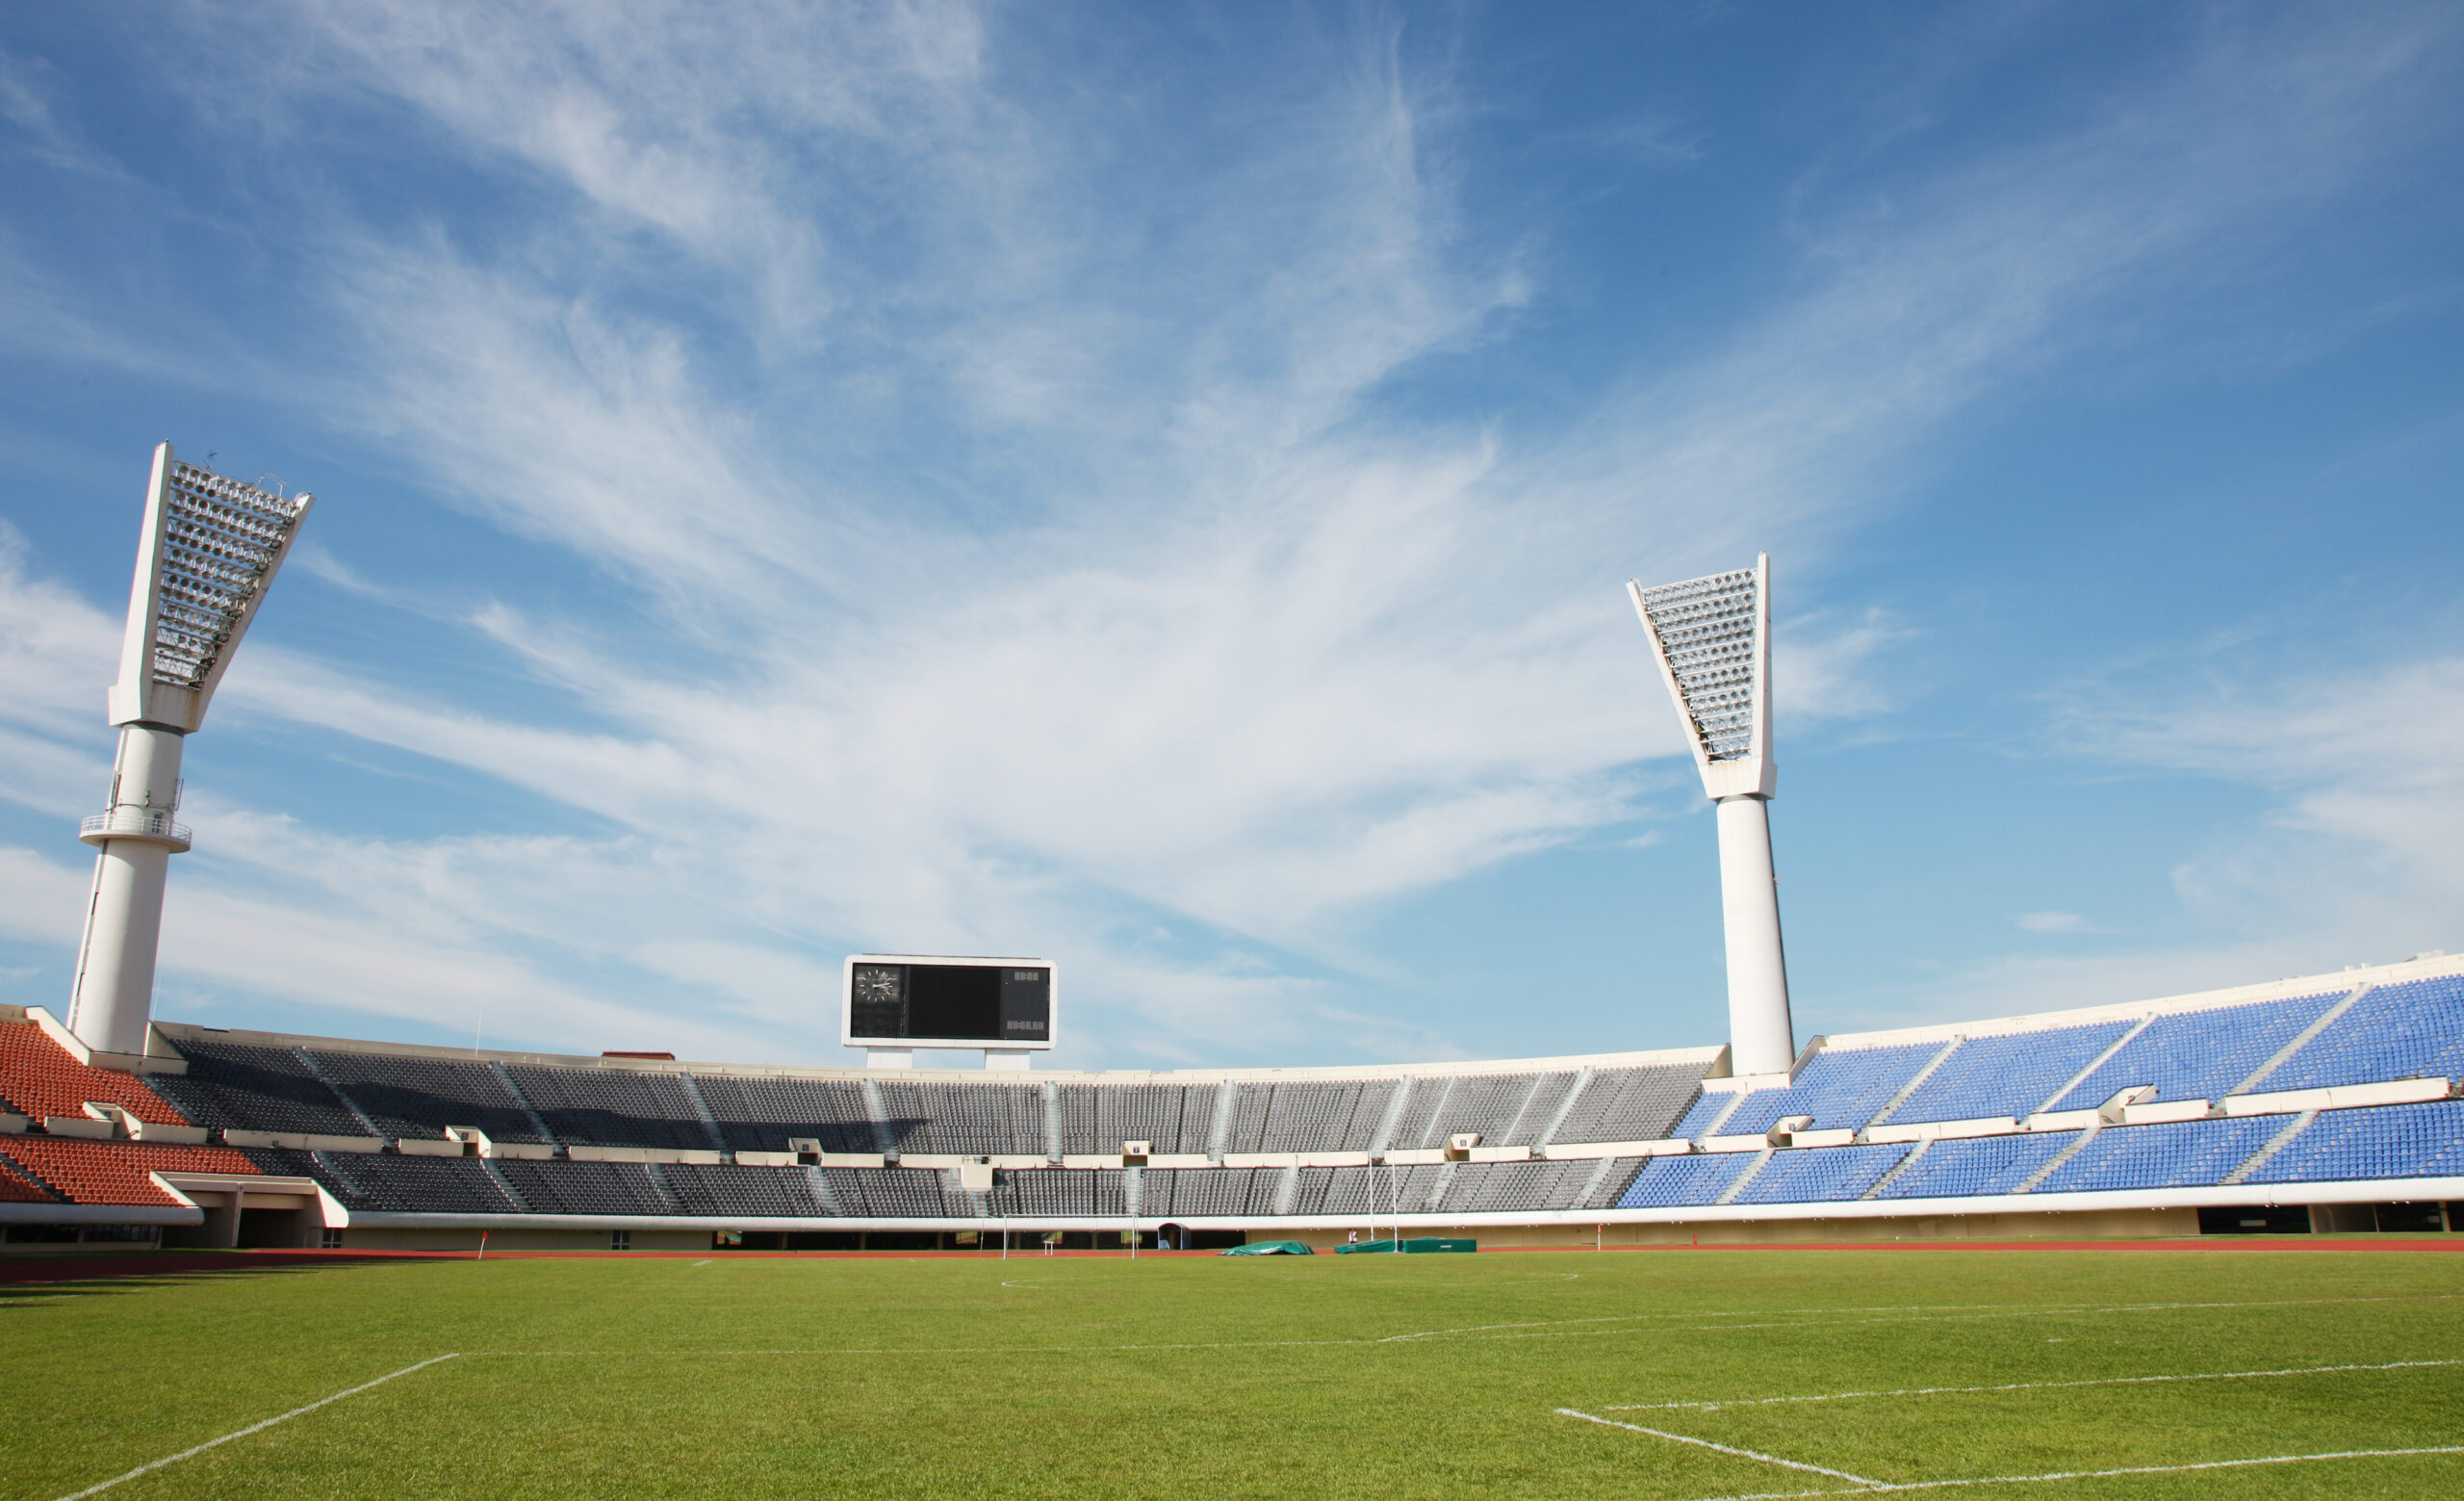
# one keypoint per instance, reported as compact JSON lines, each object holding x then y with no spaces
{"x":207,"y":553}
{"x":1711,"y":638}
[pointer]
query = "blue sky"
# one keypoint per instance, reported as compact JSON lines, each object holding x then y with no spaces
{"x":1153,"y":486}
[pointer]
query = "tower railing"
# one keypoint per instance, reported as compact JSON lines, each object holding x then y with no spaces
{"x":134,"y":823}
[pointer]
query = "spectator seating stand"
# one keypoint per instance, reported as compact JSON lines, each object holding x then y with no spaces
{"x":2339,"y":1090}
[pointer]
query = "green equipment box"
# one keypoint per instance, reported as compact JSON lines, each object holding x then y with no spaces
{"x":1419,"y":1245}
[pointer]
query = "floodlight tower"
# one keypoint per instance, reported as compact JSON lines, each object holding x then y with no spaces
{"x":1712,"y":640}
{"x":205,"y":556}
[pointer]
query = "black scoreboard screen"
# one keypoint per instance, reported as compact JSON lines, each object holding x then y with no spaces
{"x":955,"y":1003}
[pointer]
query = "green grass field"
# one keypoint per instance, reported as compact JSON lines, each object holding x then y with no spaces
{"x":1371,"y":1377}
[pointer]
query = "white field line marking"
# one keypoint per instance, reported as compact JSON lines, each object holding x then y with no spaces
{"x":1880,"y":1486}
{"x":2025,"y":1385}
{"x":1747,"y":1453}
{"x":254,"y":1428}
{"x":701,"y":1263}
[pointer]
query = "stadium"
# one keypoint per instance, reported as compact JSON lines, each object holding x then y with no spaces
{"x":2308,"y":1106}
{"x":2324,"y":1103}
{"x":1037,"y":750}
{"x":2316,"y":1103}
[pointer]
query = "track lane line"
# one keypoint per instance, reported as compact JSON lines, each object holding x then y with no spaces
{"x":255,"y":1428}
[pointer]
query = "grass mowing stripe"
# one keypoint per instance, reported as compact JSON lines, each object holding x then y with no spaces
{"x":1943,"y":1309}
{"x":1545,"y":1331}
{"x":252,"y":1428}
{"x":703,"y":1354}
{"x":1749,"y":1454}
{"x":2025,"y":1385}
{"x":1880,"y":1486}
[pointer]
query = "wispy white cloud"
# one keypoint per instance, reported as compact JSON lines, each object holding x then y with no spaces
{"x":28,"y":93}
{"x":37,"y":899}
{"x":2353,"y":861}
{"x":2052,"y":923}
{"x":2369,"y":796}
{"x":56,"y":654}
{"x":1019,"y":542}
{"x":709,"y":130}
{"x":348,"y":962}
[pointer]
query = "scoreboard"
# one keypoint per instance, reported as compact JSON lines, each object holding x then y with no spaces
{"x":914,"y":1000}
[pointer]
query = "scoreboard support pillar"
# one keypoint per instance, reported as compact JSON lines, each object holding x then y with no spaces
{"x":1005,"y":1058}
{"x":889,"y":1057}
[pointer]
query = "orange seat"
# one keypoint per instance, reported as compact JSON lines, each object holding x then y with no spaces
{"x":38,"y":1077}
{"x":18,"y":1188}
{"x":114,"y":1172}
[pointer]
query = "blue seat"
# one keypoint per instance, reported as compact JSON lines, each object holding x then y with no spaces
{"x":1812,"y":1174}
{"x":2009,"y":1075}
{"x":2408,"y":1031}
{"x":1965,"y":1166}
{"x":2374,"y":1140}
{"x":1836,"y":1088}
{"x":1694,"y":1180}
{"x":2172,"y":1155}
{"x":2200,"y":1054}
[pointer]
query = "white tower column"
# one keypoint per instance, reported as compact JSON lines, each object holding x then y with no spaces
{"x":1762,"y":1038}
{"x":1712,"y":638}
{"x":113,"y":995}
{"x":206,"y":553}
